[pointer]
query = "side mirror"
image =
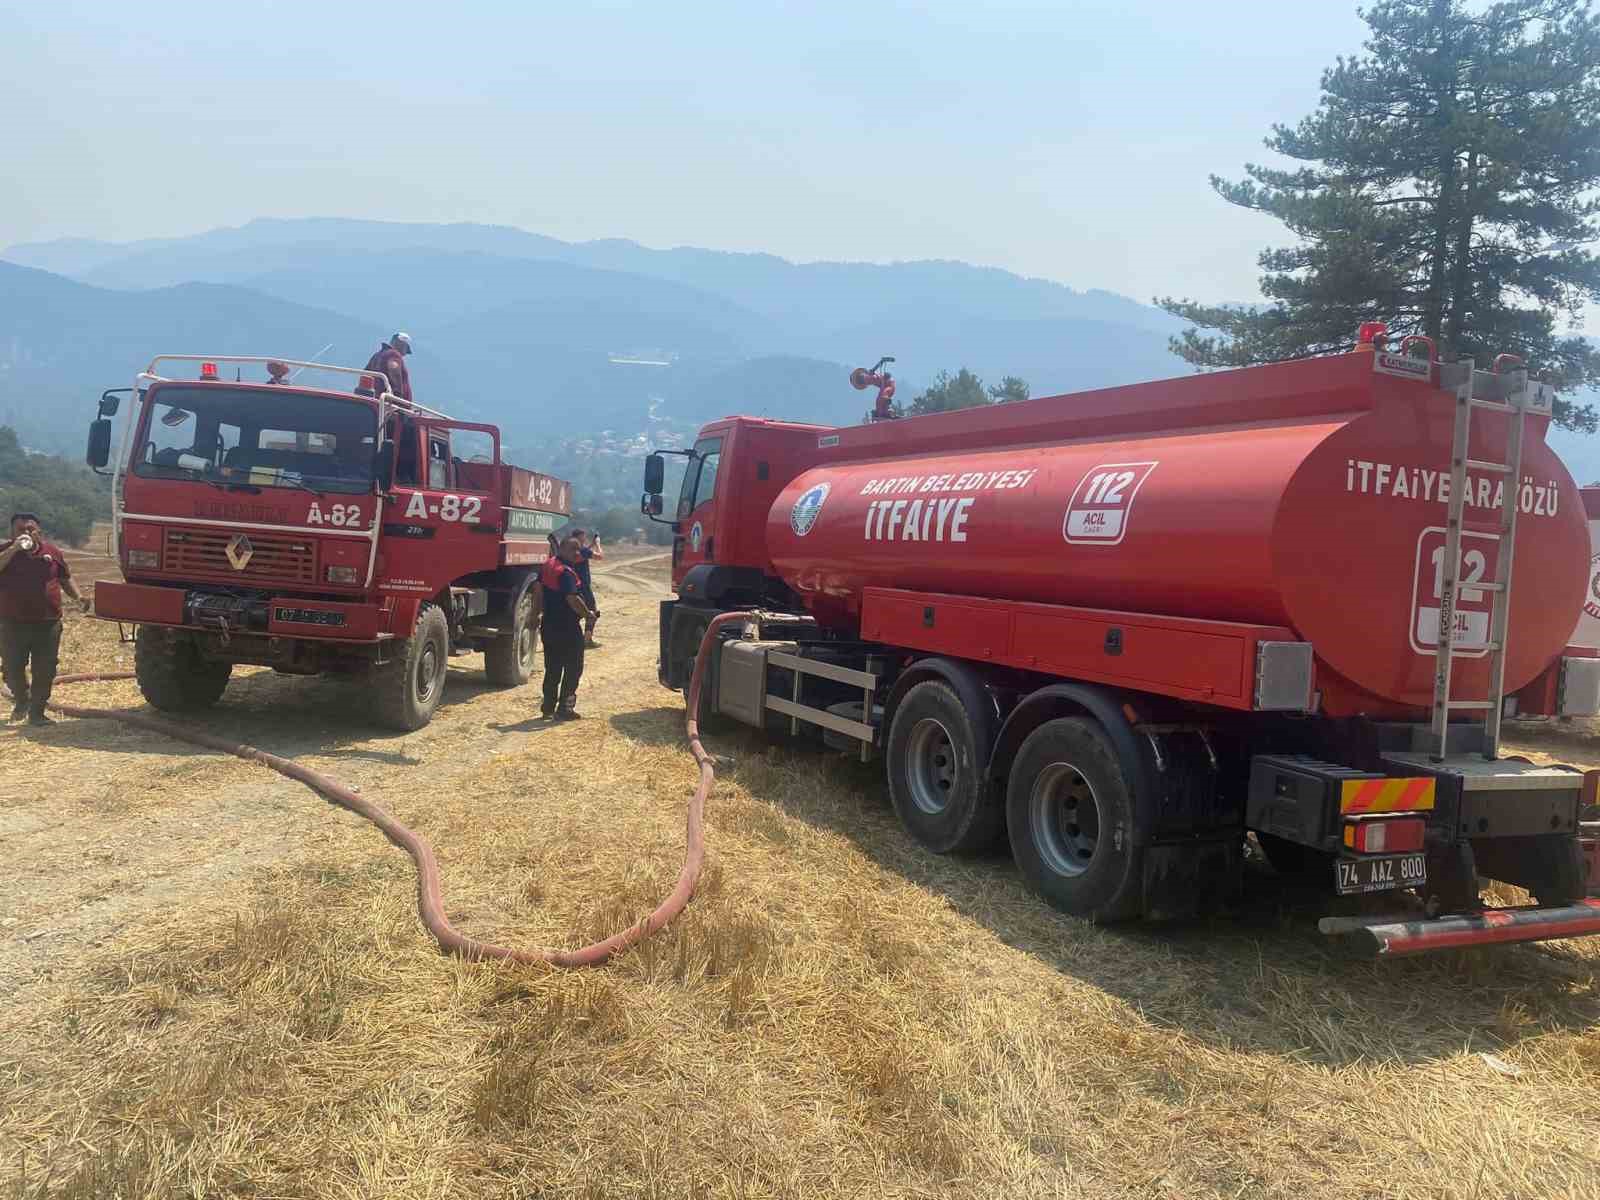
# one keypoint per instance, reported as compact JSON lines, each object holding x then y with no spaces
{"x":99,"y":452}
{"x":110,"y":402}
{"x":655,"y":475}
{"x":650,"y":504}
{"x":383,"y":466}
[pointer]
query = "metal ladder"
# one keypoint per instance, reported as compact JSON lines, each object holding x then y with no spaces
{"x":1508,"y":393}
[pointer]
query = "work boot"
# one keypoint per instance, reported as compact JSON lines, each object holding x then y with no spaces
{"x":20,"y":711}
{"x":546,"y":712}
{"x":569,"y":710}
{"x":39,"y":718}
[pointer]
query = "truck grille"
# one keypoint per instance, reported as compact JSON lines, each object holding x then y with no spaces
{"x":272,"y":558}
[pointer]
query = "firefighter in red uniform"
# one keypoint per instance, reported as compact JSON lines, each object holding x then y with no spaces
{"x":390,"y":361}
{"x":561,"y":614}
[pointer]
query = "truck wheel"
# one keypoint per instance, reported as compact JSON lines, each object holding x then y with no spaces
{"x":171,"y":673}
{"x":1069,"y":812}
{"x":936,"y":760}
{"x":408,"y":688}
{"x":508,"y":659}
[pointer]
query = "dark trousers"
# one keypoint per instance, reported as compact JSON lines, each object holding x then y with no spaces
{"x":22,"y":642}
{"x":563,"y":661}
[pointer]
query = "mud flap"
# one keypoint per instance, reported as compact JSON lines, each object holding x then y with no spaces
{"x":1551,"y":866}
{"x":1192,"y":877}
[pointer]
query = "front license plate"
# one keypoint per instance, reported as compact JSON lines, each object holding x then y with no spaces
{"x":1356,"y":875}
{"x":308,"y":616}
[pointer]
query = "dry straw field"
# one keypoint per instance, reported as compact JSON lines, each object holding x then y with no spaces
{"x":212,"y":984}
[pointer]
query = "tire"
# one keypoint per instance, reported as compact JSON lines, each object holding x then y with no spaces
{"x":407,"y":689}
{"x":1070,"y":816}
{"x":936,"y":761}
{"x":508,"y":659}
{"x":171,"y":673}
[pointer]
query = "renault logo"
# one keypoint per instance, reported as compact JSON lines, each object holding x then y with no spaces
{"x":239,"y":551}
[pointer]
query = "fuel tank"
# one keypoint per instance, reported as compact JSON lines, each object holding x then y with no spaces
{"x":1326,"y":516}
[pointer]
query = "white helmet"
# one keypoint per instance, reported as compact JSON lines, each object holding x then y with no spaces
{"x":401,"y":342}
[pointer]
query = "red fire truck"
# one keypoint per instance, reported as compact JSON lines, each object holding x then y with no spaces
{"x":314,"y":529}
{"x":1124,"y":629}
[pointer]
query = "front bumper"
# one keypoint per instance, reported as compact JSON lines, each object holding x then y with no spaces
{"x":272,"y":616}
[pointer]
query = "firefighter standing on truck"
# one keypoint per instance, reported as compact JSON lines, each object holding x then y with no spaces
{"x":33,"y":575}
{"x":390,"y":360}
{"x":561,"y":613}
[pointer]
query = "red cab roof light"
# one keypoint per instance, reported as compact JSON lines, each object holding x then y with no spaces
{"x":208,"y":370}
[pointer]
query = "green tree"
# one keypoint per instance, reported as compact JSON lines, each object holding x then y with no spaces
{"x":1446,"y":188}
{"x":67,"y":497}
{"x":950,"y":392}
{"x":1008,"y":390}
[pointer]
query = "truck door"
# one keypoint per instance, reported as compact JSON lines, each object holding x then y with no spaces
{"x":696,"y":540}
{"x":443,"y":522}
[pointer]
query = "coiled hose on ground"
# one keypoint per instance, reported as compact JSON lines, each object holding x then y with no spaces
{"x":430,"y":902}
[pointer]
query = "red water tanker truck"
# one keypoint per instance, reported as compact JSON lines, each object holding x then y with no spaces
{"x":314,"y":529}
{"x":1124,"y":629}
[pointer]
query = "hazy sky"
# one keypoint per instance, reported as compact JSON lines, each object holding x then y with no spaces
{"x":1068,"y":140}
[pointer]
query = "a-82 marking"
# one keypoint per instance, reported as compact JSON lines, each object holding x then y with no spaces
{"x":451,"y":507}
{"x":340,"y":516}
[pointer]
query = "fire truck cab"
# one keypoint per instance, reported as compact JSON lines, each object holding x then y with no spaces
{"x":314,"y":528}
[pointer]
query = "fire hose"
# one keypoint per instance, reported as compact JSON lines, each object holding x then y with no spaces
{"x":430,"y":902}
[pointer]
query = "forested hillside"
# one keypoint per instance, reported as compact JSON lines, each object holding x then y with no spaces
{"x":68,"y":498}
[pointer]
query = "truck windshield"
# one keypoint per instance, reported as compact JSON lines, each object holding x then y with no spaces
{"x":260,"y":437}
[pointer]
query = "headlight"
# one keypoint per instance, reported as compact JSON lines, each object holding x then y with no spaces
{"x":341,"y":574}
{"x":149,"y":560}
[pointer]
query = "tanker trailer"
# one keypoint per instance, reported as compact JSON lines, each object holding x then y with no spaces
{"x":1124,"y":629}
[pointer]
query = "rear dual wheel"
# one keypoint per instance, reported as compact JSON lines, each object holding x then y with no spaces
{"x":1068,"y":809}
{"x":1069,"y":815}
{"x":508,"y":659}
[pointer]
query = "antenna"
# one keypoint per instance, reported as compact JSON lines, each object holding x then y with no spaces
{"x":311,"y":360}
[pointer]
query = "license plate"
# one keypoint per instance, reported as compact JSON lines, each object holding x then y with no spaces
{"x":1355,"y":875}
{"x":308,"y":616}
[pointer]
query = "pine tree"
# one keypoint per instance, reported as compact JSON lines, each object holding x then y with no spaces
{"x":949,"y":392}
{"x":1009,"y":390}
{"x":1447,"y":190}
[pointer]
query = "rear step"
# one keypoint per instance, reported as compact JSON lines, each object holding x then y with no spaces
{"x":1394,"y":937}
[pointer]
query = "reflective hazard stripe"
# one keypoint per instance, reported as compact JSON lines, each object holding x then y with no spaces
{"x":1386,"y":795}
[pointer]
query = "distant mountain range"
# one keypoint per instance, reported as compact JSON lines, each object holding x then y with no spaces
{"x":549,"y":338}
{"x":834,"y":295}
